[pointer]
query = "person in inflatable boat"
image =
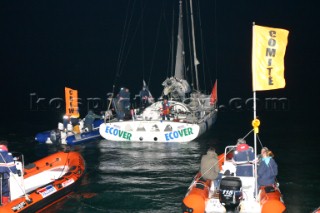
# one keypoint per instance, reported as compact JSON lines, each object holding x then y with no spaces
{"x":243,"y":158}
{"x":6,"y":166}
{"x":209,"y":167}
{"x":267,"y":169}
{"x":89,"y":120}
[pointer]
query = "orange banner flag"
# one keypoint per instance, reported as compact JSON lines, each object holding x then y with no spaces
{"x":268,"y":51}
{"x":71,"y":102}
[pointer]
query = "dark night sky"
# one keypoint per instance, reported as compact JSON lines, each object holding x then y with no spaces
{"x":46,"y":45}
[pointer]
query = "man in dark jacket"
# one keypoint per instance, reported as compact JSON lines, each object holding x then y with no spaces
{"x":243,"y":158}
{"x":123,"y":103}
{"x":145,"y":97}
{"x":89,"y":119}
{"x":6,"y":166}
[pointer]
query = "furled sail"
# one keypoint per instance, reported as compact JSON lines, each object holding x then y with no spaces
{"x":176,"y":87}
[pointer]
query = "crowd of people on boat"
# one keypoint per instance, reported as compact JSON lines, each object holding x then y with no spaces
{"x":124,"y":108}
{"x":78,"y":125}
{"x":243,"y":160}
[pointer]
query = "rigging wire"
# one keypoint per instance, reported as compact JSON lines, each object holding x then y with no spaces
{"x":124,"y":53}
{"x":155,"y":47}
{"x":142,"y":43}
{"x":216,"y":37}
{"x":190,"y":49}
{"x":170,"y":67}
{"x":202,"y":45}
{"x":123,"y":42}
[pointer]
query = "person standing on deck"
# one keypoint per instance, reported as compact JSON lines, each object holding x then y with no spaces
{"x":123,"y":103}
{"x":144,"y":97}
{"x":165,"y":110}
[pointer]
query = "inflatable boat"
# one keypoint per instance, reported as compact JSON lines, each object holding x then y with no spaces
{"x":73,"y":130}
{"x":239,"y":190}
{"x":235,"y":193}
{"x":43,"y":182}
{"x":68,"y":135}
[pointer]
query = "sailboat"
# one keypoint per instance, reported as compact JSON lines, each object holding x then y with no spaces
{"x":44,"y":182}
{"x":240,"y":193}
{"x":73,"y":129}
{"x":181,"y":118}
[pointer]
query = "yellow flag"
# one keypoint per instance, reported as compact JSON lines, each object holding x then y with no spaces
{"x":268,"y":50}
{"x":71,"y":102}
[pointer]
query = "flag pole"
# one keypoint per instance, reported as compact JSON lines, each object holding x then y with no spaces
{"x":254,"y":117}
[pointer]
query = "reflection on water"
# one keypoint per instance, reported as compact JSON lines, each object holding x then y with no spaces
{"x":143,"y":177}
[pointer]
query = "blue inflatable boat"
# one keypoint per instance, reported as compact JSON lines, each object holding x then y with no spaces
{"x":68,"y":135}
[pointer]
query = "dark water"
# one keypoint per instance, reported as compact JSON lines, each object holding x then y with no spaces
{"x":154,"y":177}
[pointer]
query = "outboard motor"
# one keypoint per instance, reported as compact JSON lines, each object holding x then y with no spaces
{"x":55,"y":136}
{"x":230,"y":193}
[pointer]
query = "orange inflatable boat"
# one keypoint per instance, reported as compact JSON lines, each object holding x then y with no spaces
{"x":235,"y":194}
{"x":44,"y":182}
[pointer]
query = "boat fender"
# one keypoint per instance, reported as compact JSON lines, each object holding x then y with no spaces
{"x":274,"y":206}
{"x":195,"y":200}
{"x":60,"y":126}
{"x":193,"y":203}
{"x":270,"y":200}
{"x":69,"y":127}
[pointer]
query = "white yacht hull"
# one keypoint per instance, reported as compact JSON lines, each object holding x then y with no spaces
{"x":155,"y":130}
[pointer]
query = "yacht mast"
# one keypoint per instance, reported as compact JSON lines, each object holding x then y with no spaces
{"x":195,"y":60}
{"x":179,"y":71}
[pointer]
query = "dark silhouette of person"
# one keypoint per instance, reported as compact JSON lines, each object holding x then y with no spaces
{"x":89,"y":119}
{"x":123,"y":103}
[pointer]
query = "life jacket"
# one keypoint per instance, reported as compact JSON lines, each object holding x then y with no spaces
{"x":165,"y":108}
